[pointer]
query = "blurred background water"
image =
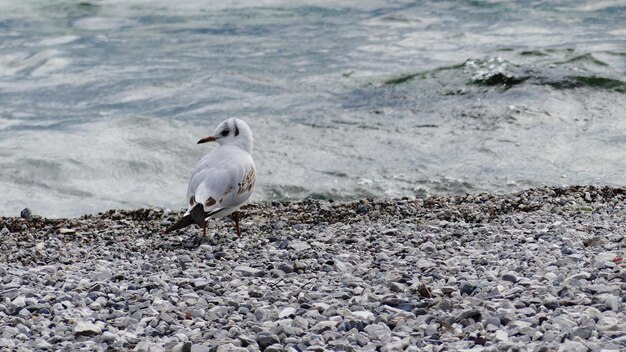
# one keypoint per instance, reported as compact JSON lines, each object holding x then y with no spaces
{"x":102,"y":101}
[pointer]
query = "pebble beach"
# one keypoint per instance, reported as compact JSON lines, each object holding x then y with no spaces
{"x":537,"y":270}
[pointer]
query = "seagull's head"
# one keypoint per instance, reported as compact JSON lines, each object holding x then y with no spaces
{"x":232,"y":131}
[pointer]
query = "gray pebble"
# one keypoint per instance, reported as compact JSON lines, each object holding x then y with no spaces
{"x":285,"y":267}
{"x":397,"y":287}
{"x":342,"y":281}
{"x":466,"y":288}
{"x":264,"y":340}
{"x":26,"y":213}
{"x":493,"y":321}
{"x":509,"y":277}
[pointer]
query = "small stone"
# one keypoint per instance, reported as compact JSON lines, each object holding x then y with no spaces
{"x":195,"y":348}
{"x":6,"y":343}
{"x":348,"y":325}
{"x":285,"y":267}
{"x":583,"y":333}
{"x":43,"y":345}
{"x":424,"y":291}
{"x":364,"y":315}
{"x":550,"y":276}
{"x":298,"y":245}
{"x":611,"y":302}
{"x":275,"y":273}
{"x":142,"y":346}
{"x":467,"y":288}
{"x":108,"y":336}
{"x":473,"y":314}
{"x":197,"y":313}
{"x":550,"y":303}
{"x":583,"y":275}
{"x":521,"y":324}
{"x":362,"y":209}
{"x":397,"y":287}
{"x":299,"y":265}
{"x":286,"y":312}
{"x":262,"y":314}
{"x":4,"y":231}
{"x":300,"y":322}
{"x":428,"y":247}
{"x":502,"y":335}
{"x":608,"y":323}
{"x":10,"y":331}
{"x":573,"y":346}
{"x":64,"y":231}
{"x":396,"y":346}
{"x":448,"y":289}
{"x":229,"y":347}
{"x":166,"y":317}
{"x":444,"y":304}
{"x":509,"y":277}
{"x":390,"y":232}
{"x":265,"y":340}
{"x":323,"y":326}
{"x":391,"y":300}
{"x":26,"y":213}
{"x":378,"y":331}
{"x":340,"y":266}
{"x":495,"y":321}
{"x":406,"y":306}
{"x":24,"y":313}
{"x":87,"y":329}
{"x":382,"y":257}
{"x":249,"y":271}
{"x":18,"y":303}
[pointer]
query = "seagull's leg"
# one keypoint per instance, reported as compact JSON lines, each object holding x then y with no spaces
{"x":236,"y":217}
{"x":204,"y":231}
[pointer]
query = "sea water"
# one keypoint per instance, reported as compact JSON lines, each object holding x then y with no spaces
{"x":102,"y":102}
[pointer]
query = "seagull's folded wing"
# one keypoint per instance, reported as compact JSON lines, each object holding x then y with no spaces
{"x":207,"y":186}
{"x":219,"y":185}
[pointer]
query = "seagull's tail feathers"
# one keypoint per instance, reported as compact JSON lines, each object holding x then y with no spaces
{"x":182,"y":223}
{"x":195,"y":216}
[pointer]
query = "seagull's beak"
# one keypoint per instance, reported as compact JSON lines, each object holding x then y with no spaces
{"x":206,"y":139}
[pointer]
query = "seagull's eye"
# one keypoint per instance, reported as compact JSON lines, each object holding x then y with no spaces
{"x":225,"y":133}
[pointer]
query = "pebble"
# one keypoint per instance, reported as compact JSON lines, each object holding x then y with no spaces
{"x":493,"y":321}
{"x":465,"y":272}
{"x":363,"y":315}
{"x":502,"y":335}
{"x":397,"y":287}
{"x":18,"y":303}
{"x":466,"y":288}
{"x":510,"y":278}
{"x":26,"y":213}
{"x":264,"y":340}
{"x":287,"y":312}
{"x":87,"y":329}
{"x":249,"y":271}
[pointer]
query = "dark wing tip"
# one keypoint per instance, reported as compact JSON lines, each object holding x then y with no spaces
{"x":182,"y":223}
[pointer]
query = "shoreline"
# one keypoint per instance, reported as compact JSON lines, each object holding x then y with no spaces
{"x":539,"y":268}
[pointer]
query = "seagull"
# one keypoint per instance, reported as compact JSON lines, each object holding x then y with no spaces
{"x":223,"y":180}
